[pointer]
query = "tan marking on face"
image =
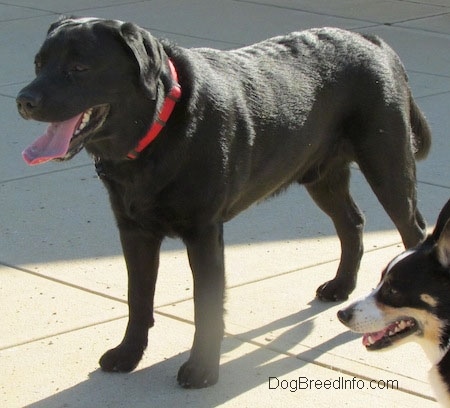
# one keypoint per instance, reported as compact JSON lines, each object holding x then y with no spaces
{"x":428,"y":299}
{"x":430,"y":324}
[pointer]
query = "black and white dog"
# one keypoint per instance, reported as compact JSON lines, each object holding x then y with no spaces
{"x":412,"y":303}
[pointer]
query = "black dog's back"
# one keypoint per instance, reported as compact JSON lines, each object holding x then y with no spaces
{"x":293,"y":106}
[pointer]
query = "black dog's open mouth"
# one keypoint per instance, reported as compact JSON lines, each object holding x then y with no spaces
{"x":63,"y":140}
{"x":390,"y":334}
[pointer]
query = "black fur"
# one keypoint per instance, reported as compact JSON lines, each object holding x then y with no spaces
{"x":292,"y":109}
{"x":444,"y":371}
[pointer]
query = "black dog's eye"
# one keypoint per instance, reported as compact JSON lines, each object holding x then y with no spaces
{"x":78,"y":68}
{"x":73,"y":71}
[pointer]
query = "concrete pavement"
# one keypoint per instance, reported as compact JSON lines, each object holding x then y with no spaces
{"x":63,"y":280}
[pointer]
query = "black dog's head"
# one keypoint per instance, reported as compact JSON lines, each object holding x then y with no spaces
{"x":412,"y":300}
{"x":95,"y":80}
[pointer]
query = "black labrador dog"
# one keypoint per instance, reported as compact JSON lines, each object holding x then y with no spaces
{"x":185,"y":139}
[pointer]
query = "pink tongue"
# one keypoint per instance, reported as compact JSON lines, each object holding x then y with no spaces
{"x":377,"y":335}
{"x":53,"y":144}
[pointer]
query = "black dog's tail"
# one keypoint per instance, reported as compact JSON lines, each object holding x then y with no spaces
{"x":421,"y":131}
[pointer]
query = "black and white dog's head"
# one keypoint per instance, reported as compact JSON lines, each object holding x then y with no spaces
{"x":412,"y":300}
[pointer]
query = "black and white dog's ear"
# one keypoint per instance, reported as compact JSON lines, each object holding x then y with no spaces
{"x":148,"y":55}
{"x":441,"y":235}
{"x":443,"y":246}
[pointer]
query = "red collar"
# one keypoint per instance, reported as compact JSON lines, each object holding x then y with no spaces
{"x":166,"y":110}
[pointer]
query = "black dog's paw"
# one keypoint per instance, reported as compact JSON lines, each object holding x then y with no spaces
{"x":121,"y":359}
{"x":194,"y":375}
{"x":334,"y":291}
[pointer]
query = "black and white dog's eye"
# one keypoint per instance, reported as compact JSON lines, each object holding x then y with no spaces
{"x":390,"y":291}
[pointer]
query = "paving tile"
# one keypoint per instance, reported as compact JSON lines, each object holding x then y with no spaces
{"x":35,"y":308}
{"x":65,"y":6}
{"x":69,"y":276}
{"x":442,"y":3}
{"x":419,"y":50}
{"x":66,"y":374}
{"x":229,"y":21}
{"x":436,"y":168}
{"x":281,"y":314}
{"x":55,"y":215}
{"x":13,"y":12}
{"x":62,"y":227}
{"x":379,"y":11}
{"x":439,"y":24}
{"x":428,"y":85}
{"x":19,"y":42}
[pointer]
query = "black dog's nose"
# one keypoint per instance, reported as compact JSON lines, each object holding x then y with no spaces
{"x":345,"y":315}
{"x":27,"y":103}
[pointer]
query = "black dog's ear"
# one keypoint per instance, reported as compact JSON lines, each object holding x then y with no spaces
{"x":148,"y":55}
{"x":58,"y":23}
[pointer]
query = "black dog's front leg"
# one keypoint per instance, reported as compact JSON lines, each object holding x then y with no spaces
{"x":206,"y":257}
{"x":142,"y":259}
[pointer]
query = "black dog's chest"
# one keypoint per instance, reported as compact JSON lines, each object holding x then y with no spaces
{"x":146,"y":207}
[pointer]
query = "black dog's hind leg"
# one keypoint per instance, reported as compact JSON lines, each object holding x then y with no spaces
{"x":331,"y":193}
{"x":206,"y":257}
{"x":391,"y":172}
{"x":142,"y":259}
